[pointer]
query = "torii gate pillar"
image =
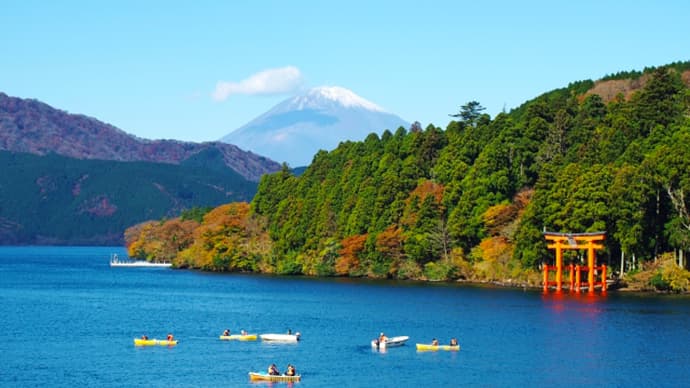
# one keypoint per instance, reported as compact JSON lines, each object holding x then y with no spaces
{"x":588,"y":241}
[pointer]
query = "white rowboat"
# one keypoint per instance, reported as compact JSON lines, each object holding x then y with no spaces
{"x":280,"y":337}
{"x":116,"y":262}
{"x":389,"y":342}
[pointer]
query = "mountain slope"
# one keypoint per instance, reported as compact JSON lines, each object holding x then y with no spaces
{"x":71,"y":179}
{"x":612,"y":87}
{"x":34,"y":127}
{"x":294,"y":130}
{"x":53,"y":199}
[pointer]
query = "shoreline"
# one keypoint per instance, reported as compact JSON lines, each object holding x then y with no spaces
{"x":618,"y":287}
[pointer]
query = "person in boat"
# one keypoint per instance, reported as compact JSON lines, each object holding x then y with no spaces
{"x":273,"y":370}
{"x":434,"y":342}
{"x":243,"y":332}
{"x":226,"y":333}
{"x":144,"y":337}
{"x":170,"y":337}
{"x":382,"y":338}
{"x":289,"y":331}
{"x":290,"y":371}
{"x":453,"y":342}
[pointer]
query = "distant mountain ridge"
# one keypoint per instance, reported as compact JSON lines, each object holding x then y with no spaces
{"x":34,"y":127}
{"x":297,"y":128}
{"x":69,"y":179}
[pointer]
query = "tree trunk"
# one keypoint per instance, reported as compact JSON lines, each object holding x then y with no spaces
{"x":656,"y":240}
{"x":681,"y":264}
{"x":622,"y":263}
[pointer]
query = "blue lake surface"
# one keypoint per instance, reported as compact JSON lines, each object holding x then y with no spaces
{"x":68,"y":319}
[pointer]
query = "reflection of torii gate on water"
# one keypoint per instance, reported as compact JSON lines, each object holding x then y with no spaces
{"x":561,"y":241}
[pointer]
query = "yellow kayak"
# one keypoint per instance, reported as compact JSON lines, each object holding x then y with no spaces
{"x":239,"y":337}
{"x":254,"y":376}
{"x":153,"y":342}
{"x":433,"y":348}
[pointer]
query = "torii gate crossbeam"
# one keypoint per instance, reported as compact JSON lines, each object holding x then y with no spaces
{"x":571,"y":241}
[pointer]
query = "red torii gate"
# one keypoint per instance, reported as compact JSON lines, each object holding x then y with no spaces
{"x":588,"y":241}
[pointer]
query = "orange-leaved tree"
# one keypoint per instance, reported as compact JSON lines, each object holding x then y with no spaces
{"x":349,"y":261}
{"x":390,"y":244}
{"x":229,"y":239}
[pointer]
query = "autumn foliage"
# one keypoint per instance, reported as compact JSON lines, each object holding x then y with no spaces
{"x":160,"y":240}
{"x":390,"y":243}
{"x":428,"y":188}
{"x":349,"y":260}
{"x":498,"y":216}
{"x":228,"y":239}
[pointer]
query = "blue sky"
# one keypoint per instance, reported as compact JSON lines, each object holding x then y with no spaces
{"x":198,"y":70}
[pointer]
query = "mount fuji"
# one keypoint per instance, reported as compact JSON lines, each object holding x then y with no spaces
{"x":296,"y":129}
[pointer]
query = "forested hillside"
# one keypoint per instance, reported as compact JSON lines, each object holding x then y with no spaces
{"x":470,"y":201}
{"x":53,"y":199}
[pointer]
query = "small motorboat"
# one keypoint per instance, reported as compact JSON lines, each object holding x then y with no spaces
{"x":389,"y":342}
{"x":280,"y":337}
{"x":115,"y":261}
{"x":255,"y":376}
{"x":239,"y":337}
{"x":154,"y":342}
{"x":433,"y":348}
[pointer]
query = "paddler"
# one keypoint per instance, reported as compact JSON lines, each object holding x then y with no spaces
{"x":290,"y":370}
{"x":273,"y":370}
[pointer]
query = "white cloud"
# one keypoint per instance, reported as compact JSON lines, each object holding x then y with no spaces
{"x":271,"y":81}
{"x":279,"y":137}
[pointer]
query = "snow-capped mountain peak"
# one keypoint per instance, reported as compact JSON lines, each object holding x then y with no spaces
{"x":320,"y":118}
{"x":335,"y":94}
{"x":343,"y":96}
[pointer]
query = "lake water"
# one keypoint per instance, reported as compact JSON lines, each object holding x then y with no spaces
{"x":68,"y":319}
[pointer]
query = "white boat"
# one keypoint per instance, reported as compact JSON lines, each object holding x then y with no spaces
{"x":280,"y":337}
{"x":116,"y":262}
{"x":389,"y":342}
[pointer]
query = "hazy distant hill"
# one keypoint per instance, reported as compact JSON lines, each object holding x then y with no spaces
{"x":34,"y":127}
{"x":297,"y":128}
{"x":71,"y":179}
